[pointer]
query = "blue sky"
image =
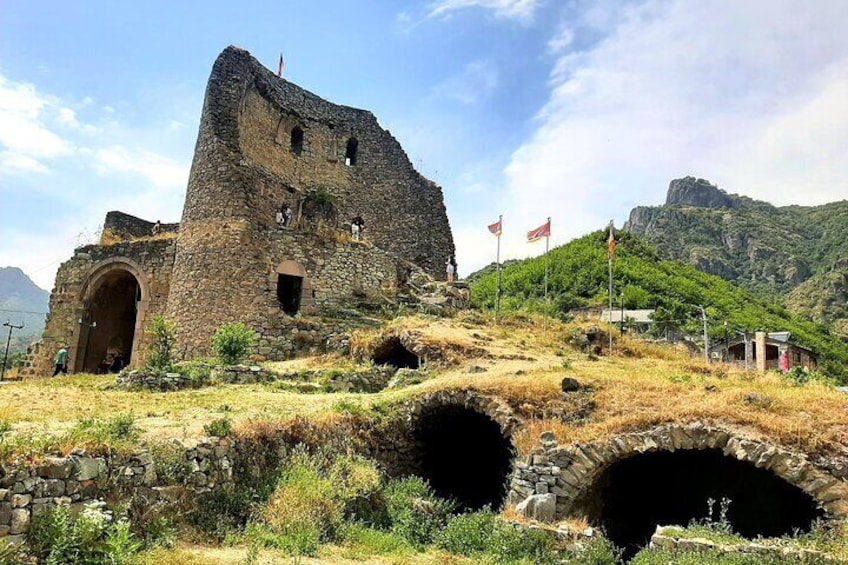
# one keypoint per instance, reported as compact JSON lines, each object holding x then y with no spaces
{"x":578,"y":110}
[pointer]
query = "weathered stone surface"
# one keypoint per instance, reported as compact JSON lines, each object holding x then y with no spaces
{"x":55,"y":468}
{"x":87,"y":468}
{"x":541,"y":507}
{"x":20,"y":521}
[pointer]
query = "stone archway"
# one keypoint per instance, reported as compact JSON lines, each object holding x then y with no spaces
{"x":460,"y":443}
{"x":675,"y":463}
{"x":111,"y":315}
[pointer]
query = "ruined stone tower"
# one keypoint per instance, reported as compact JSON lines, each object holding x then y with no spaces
{"x":264,"y":144}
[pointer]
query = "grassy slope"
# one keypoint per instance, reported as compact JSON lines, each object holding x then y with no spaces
{"x":578,"y":277}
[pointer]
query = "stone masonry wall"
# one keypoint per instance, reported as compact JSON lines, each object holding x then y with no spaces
{"x":26,"y":490}
{"x":563,"y":476}
{"x":75,"y":284}
{"x":125,"y":225}
{"x":244,"y":169}
{"x":335,"y":269}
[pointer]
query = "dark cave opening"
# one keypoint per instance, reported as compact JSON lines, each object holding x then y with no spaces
{"x":393,"y":353}
{"x":464,"y":456}
{"x":636,"y":494}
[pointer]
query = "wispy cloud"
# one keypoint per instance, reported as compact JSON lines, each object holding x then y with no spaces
{"x":475,"y":82}
{"x":26,"y":138}
{"x":520,"y":10}
{"x":751,"y":95}
{"x":161,"y":171}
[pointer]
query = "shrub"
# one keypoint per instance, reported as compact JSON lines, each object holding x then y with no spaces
{"x":361,"y":542}
{"x":220,"y":427}
{"x":232,"y":343}
{"x":468,"y":534}
{"x":414,"y":512}
{"x":510,"y":544}
{"x":171,"y":466}
{"x":120,"y":430}
{"x":10,"y":554}
{"x":599,"y":551}
{"x":92,"y":538}
{"x":163,"y":332}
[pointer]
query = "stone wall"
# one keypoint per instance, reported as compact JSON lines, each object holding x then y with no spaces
{"x":77,"y":282}
{"x":244,"y":169}
{"x":26,"y":490}
{"x":119,"y":224}
{"x":566,"y":474}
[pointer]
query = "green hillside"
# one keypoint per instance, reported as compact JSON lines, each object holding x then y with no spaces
{"x":578,"y":277}
{"x":767,"y":249}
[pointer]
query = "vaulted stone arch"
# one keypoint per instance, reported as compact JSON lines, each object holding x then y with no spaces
{"x":459,"y":441}
{"x":581,"y":476}
{"x":111,"y":313}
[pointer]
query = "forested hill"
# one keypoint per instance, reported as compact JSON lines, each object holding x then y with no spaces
{"x":21,"y":302}
{"x":578,"y":277}
{"x":767,"y":249}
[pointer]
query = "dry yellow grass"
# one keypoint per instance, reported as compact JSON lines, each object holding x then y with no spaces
{"x":641,"y":386}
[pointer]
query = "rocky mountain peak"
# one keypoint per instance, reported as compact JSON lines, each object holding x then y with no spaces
{"x":701,"y":193}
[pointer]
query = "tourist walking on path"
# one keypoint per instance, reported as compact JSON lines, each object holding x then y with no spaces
{"x":61,"y":361}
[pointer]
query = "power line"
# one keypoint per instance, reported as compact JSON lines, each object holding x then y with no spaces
{"x":23,"y":312}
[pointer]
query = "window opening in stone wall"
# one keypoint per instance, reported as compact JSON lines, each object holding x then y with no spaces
{"x":350,"y":152}
{"x":289,"y":291}
{"x":107,"y":331}
{"x":297,"y":141}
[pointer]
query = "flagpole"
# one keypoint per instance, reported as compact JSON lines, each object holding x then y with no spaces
{"x":498,"y":263}
{"x":610,"y":293}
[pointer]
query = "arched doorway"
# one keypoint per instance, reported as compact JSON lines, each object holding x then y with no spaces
{"x":108,"y":323}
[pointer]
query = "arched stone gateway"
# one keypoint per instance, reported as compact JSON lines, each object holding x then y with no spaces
{"x":635,"y":481}
{"x":113,"y":301}
{"x":459,"y":442}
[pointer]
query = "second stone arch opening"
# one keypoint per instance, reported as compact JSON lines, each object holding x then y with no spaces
{"x":463,"y":453}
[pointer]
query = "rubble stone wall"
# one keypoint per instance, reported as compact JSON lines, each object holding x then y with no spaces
{"x":568,"y":473}
{"x":27,"y":490}
{"x":244,"y":169}
{"x":127,"y":226}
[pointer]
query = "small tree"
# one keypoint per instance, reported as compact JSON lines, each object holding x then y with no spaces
{"x":164,"y":333}
{"x":233,"y":342}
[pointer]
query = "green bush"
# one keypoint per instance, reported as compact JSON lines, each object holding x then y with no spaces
{"x":414,"y":511}
{"x":468,"y":534}
{"x":674,"y":557}
{"x":163,"y":332}
{"x":599,"y":551}
{"x":232,"y":343}
{"x":10,"y":554}
{"x":223,"y":511}
{"x":361,"y":541}
{"x":220,"y":427}
{"x":513,"y":544}
{"x":91,"y":538}
{"x":118,"y":431}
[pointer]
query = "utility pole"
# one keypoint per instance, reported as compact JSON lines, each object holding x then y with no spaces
{"x":11,"y":327}
{"x":726,"y":344}
{"x":706,"y":335}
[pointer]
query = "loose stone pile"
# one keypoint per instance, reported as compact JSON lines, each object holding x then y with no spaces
{"x":668,"y":537}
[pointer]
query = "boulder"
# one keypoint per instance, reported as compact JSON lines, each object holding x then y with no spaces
{"x":540,"y":507}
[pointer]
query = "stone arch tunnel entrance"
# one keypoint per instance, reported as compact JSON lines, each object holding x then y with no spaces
{"x":107,"y":330}
{"x":464,"y":455}
{"x":634,"y":495}
{"x":392,"y":352}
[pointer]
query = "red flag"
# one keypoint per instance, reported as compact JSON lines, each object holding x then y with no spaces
{"x":611,"y":242}
{"x":281,"y":66}
{"x":495,"y":229}
{"x":542,"y":231}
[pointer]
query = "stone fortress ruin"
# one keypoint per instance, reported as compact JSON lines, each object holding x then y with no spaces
{"x":265,"y":145}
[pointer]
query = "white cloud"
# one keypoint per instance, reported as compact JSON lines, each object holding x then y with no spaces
{"x":521,"y":10}
{"x":473,"y":84}
{"x":26,"y":139}
{"x":751,"y":95}
{"x":162,"y":171}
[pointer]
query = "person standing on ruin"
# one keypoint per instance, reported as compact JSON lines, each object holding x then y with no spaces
{"x":157,"y":227}
{"x":450,"y":268}
{"x":357,"y":225}
{"x":61,"y":360}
